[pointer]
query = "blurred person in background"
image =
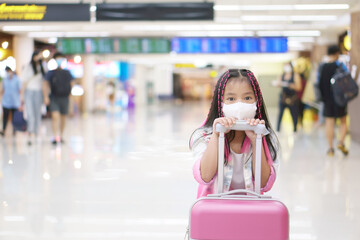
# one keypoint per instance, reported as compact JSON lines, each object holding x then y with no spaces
{"x":303,"y":68}
{"x":59,"y":81}
{"x":331,"y":110}
{"x":291,"y":84}
{"x":33,"y":77}
{"x":11,"y":96}
{"x":110,"y":90}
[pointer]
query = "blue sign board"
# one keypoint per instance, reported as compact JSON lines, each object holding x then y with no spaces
{"x":230,"y":45}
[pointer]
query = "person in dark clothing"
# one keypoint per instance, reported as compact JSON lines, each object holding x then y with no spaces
{"x":331,"y":110}
{"x":300,"y":94}
{"x":59,"y":82}
{"x":302,"y":66}
{"x":290,"y":83}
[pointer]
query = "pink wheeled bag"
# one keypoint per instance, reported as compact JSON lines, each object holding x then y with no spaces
{"x":239,"y":214}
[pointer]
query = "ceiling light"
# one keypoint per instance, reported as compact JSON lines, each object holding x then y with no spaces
{"x":67,"y":34}
{"x":142,"y":28}
{"x":182,"y":28}
{"x":5,"y":44}
{"x":223,"y":27}
{"x":77,"y":59}
{"x":302,"y":18}
{"x":347,"y":42}
{"x":45,"y":34}
{"x":258,"y":18}
{"x":302,"y":39}
{"x":321,"y":6}
{"x":302,"y":33}
{"x":52,"y":40}
{"x":21,"y":28}
{"x":230,"y":33}
{"x":93,"y":8}
{"x":313,"y":18}
{"x":281,"y":7}
{"x":227,"y":19}
{"x":194,"y":27}
{"x":46,"y":53}
{"x":266,"y":7}
{"x":227,"y":7}
{"x":268,"y":33}
{"x":217,"y":34}
{"x":302,"y":36}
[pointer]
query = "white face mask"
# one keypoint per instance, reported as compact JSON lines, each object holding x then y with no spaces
{"x":240,"y":110}
{"x":287,"y":69}
{"x":60,"y":61}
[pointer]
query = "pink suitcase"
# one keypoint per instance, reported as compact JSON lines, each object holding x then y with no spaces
{"x":239,"y":214}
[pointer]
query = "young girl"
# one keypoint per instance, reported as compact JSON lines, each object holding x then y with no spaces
{"x":237,"y":96}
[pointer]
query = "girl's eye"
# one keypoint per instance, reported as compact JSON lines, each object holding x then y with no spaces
{"x":231,"y":99}
{"x":247,"y":98}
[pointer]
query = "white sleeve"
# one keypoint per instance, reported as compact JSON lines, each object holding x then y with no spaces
{"x":26,"y":74}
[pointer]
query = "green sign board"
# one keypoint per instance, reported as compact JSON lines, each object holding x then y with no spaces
{"x":113,"y":45}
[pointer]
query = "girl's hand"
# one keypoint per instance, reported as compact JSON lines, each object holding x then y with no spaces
{"x":225,"y":121}
{"x":253,"y":122}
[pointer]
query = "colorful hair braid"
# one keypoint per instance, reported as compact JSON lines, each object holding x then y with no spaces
{"x":257,"y":91}
{"x":220,"y":97}
{"x":221,"y":90}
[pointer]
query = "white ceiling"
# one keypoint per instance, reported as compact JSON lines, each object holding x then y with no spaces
{"x":304,"y":26}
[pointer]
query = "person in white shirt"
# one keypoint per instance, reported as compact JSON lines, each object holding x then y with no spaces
{"x":33,"y":77}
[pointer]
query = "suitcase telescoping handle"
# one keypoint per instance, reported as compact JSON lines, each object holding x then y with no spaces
{"x":235,"y":194}
{"x":259,"y":130}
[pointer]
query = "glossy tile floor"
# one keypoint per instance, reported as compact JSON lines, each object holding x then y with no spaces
{"x":129,"y":176}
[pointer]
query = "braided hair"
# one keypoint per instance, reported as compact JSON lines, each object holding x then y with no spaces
{"x":261,"y":113}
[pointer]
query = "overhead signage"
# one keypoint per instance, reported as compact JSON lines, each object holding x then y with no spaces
{"x":178,"y":45}
{"x":155,"y":11}
{"x":113,"y":45}
{"x":44,"y":12}
{"x":229,"y":45}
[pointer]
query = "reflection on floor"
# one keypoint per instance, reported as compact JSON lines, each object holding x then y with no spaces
{"x":129,"y":176}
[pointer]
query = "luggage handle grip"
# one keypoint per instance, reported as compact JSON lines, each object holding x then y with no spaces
{"x":232,"y":194}
{"x":242,"y":125}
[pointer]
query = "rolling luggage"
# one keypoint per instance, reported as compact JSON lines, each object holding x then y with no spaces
{"x":239,"y":214}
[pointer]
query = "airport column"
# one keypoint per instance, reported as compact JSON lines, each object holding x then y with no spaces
{"x":353,"y":107}
{"x":141,"y":75}
{"x":23,"y":49}
{"x":163,"y":80}
{"x":88,"y":83}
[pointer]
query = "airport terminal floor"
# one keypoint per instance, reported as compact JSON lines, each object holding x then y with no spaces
{"x":128,"y":175}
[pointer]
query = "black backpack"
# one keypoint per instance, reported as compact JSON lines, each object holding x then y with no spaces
{"x":60,"y":83}
{"x":343,"y":87}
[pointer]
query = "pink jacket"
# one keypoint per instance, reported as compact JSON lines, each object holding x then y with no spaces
{"x":199,"y":146}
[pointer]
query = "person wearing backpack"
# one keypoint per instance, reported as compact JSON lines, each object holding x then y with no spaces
{"x":332,"y":110}
{"x":60,"y":82}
